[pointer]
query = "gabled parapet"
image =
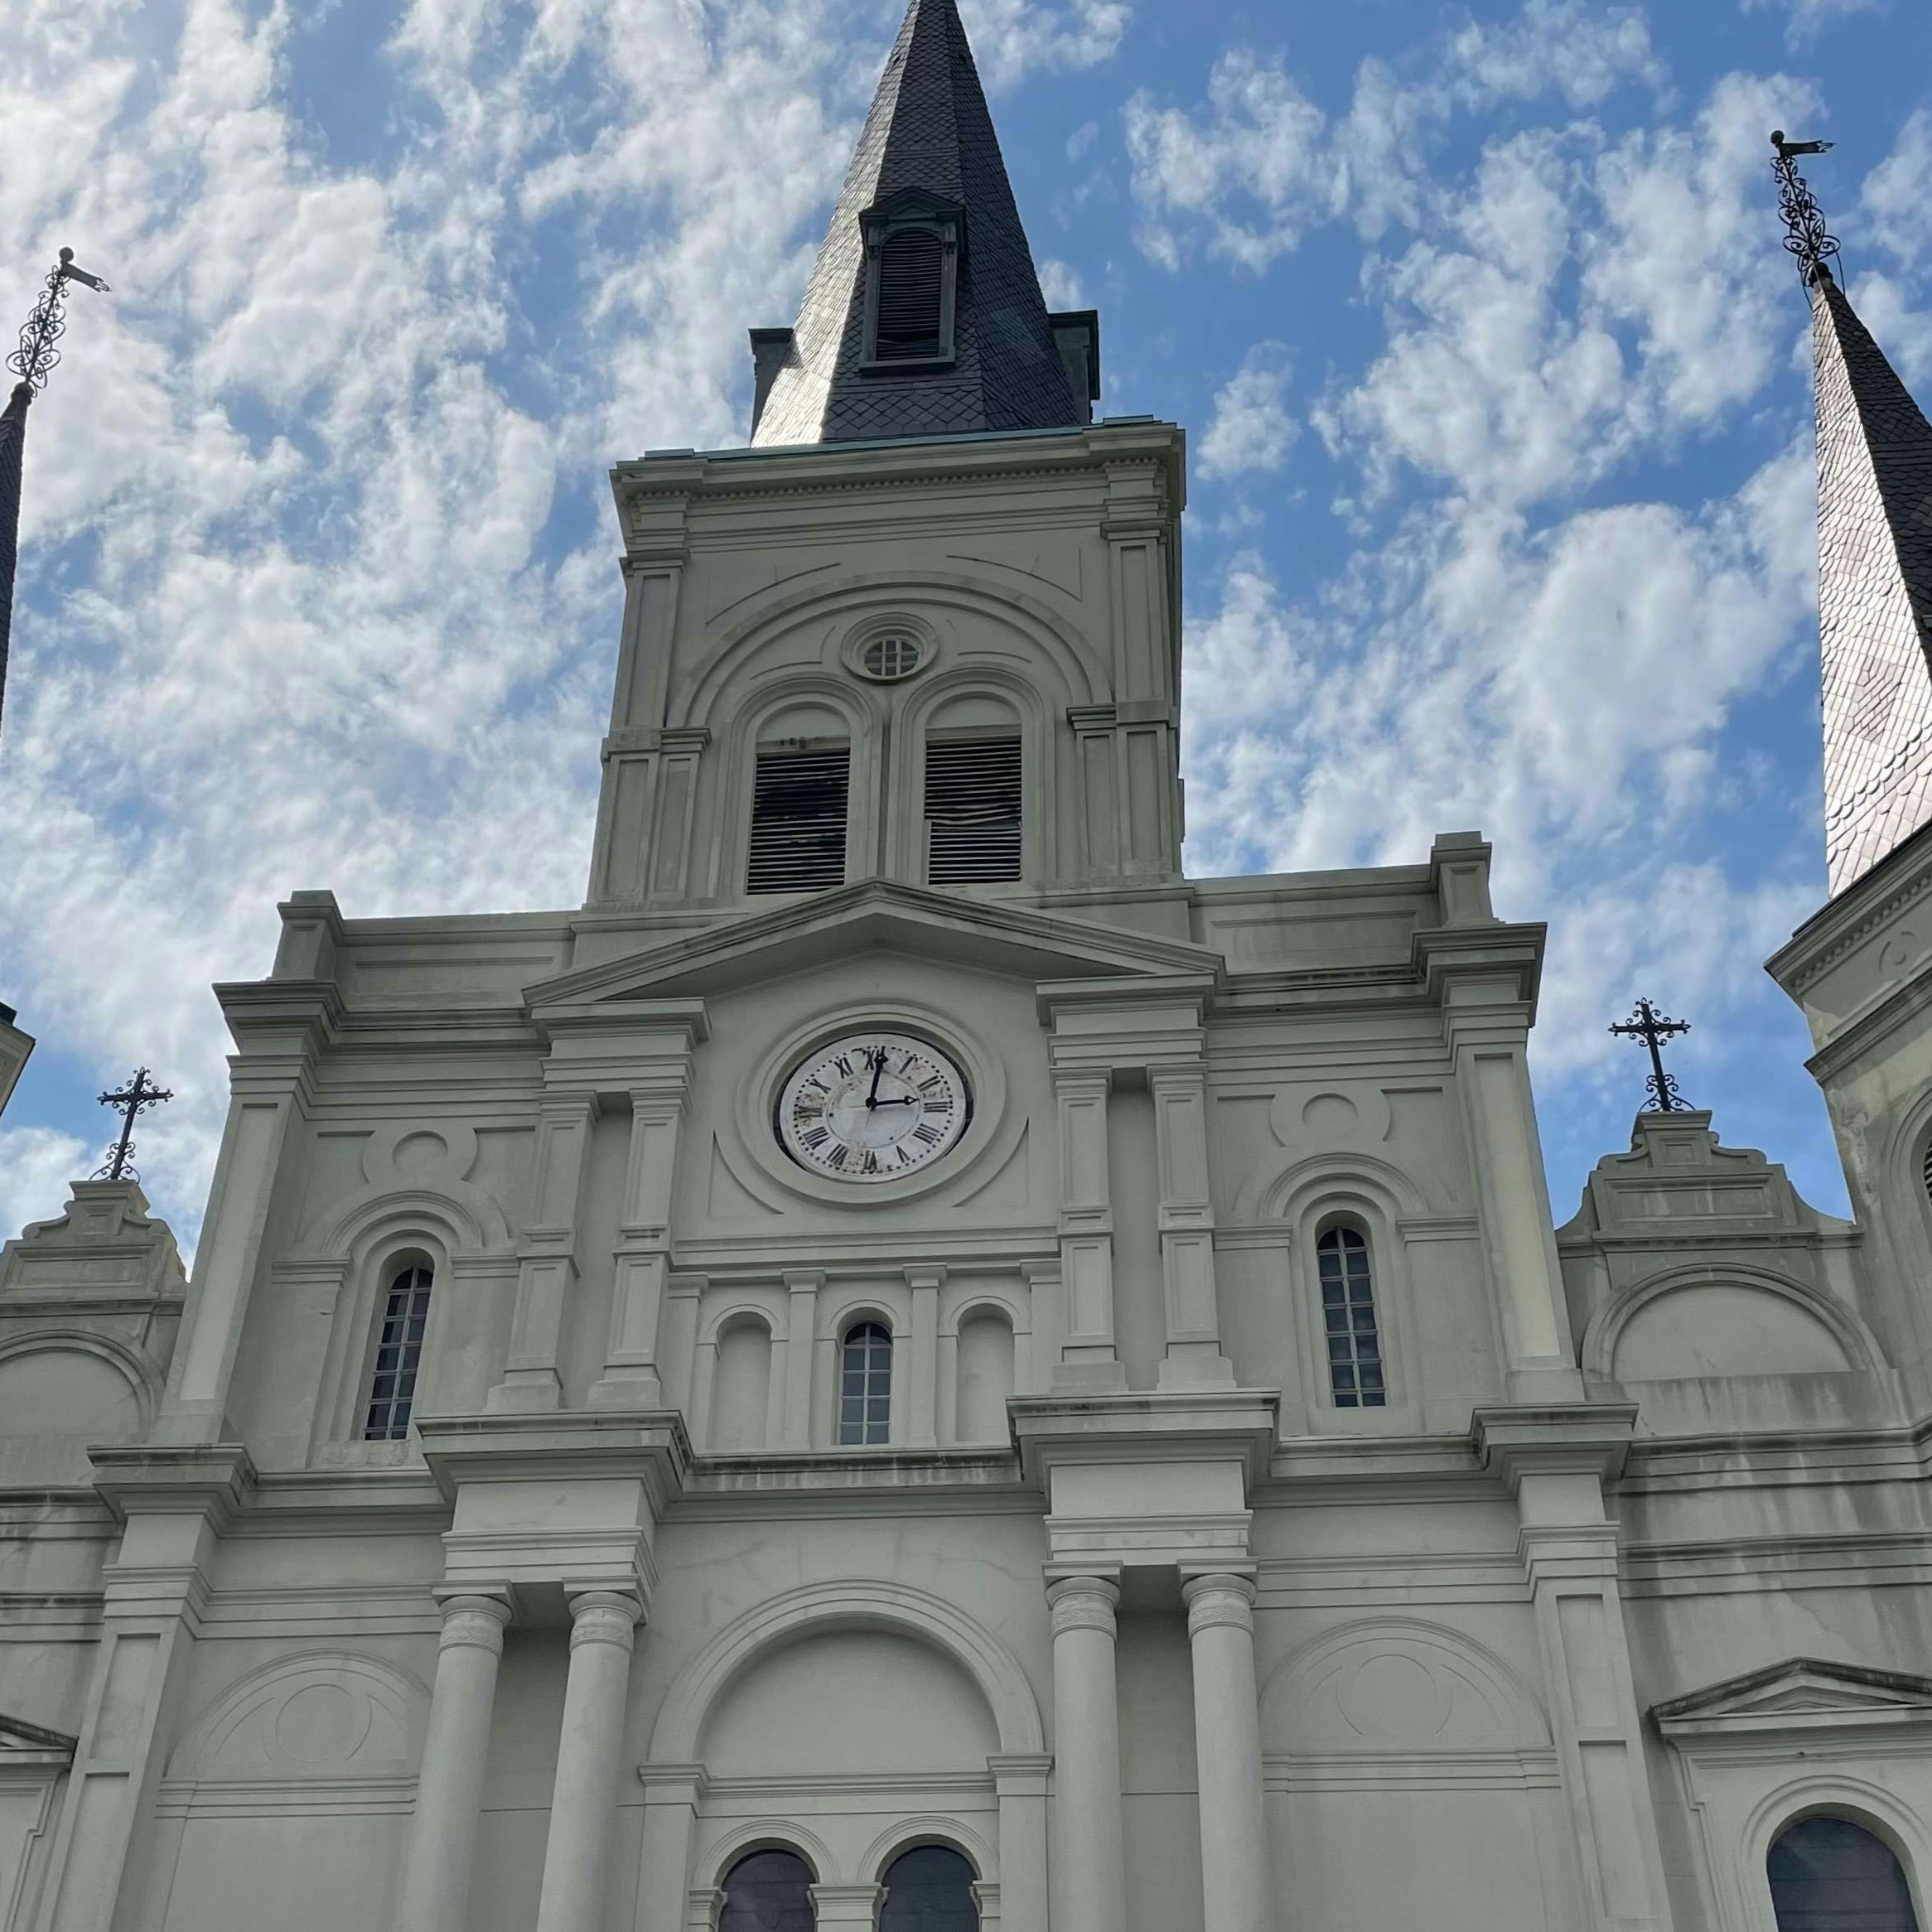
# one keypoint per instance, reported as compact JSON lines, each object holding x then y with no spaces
{"x":1699,"y":1278}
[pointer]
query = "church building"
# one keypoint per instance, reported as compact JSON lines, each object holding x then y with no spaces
{"x":909,"y":1367}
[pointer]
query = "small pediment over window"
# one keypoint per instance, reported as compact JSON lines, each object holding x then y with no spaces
{"x":913,"y":241}
{"x":20,"y":1740}
{"x":1802,"y":1694}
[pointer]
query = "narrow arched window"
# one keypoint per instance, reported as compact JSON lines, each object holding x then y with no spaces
{"x":768,"y":1891}
{"x":1829,"y":1874}
{"x":864,"y":1384}
{"x":928,"y":1889}
{"x":400,"y":1323}
{"x":1354,"y":1342}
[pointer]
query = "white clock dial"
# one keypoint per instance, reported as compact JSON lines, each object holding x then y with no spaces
{"x":872,"y":1107}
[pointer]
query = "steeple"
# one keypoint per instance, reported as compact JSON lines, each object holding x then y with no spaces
{"x":923,"y":315}
{"x":1875,"y":566}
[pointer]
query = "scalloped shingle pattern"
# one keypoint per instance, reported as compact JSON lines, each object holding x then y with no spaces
{"x":1874,"y":593}
{"x":928,"y":128}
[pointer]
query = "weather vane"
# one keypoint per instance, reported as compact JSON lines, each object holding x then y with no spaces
{"x":1805,"y":233}
{"x":139,"y":1093}
{"x":1647,"y":1024}
{"x":37,"y":354}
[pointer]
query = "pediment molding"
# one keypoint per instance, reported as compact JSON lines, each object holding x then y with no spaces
{"x":1802,"y":1694}
{"x":886,"y":915}
{"x":24,"y":1744}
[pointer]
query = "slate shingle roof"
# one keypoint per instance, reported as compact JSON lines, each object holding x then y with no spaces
{"x":928,"y":128}
{"x":1875,"y":593}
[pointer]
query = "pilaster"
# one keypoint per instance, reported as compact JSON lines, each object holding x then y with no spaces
{"x":802,"y":1287}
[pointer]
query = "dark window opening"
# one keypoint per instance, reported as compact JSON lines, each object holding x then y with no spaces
{"x":768,"y":1891}
{"x":1348,"y":1320}
{"x":798,"y":819}
{"x":398,"y":1354}
{"x":972,"y":810}
{"x":911,"y":302}
{"x":1829,"y":1874}
{"x":928,"y":1889}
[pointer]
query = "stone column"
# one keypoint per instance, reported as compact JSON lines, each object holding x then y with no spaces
{"x":630,"y":1379}
{"x":921,"y":1361}
{"x":603,"y":1629}
{"x":449,"y":1787}
{"x":1227,"y":1746}
{"x":671,"y":1795}
{"x":802,"y":1287}
{"x":1193,"y":1358}
{"x":1087,"y":1357}
{"x":547,"y":1258}
{"x":1089,"y":1892}
{"x":1021,"y":1780}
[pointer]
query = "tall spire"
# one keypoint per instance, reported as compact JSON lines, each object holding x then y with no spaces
{"x":928,"y":170}
{"x":1875,"y":565}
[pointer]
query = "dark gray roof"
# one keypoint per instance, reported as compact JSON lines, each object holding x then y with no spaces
{"x":1875,"y":593}
{"x":928,"y":128}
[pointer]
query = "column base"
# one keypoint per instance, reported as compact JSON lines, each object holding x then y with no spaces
{"x":1087,"y":1375}
{"x":1181,"y":1368}
{"x":524,"y":1391}
{"x":632,"y":1389}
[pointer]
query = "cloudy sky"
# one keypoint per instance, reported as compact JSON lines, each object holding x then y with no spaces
{"x":1501,"y":507}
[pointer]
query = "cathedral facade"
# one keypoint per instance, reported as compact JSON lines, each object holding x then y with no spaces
{"x":909,"y":1368}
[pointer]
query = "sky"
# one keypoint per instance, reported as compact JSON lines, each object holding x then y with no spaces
{"x":1495,"y":376}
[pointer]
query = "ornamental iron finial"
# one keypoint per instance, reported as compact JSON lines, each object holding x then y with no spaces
{"x":34,"y":358}
{"x":1647,"y":1024}
{"x":1805,"y":233}
{"x":139,"y":1094}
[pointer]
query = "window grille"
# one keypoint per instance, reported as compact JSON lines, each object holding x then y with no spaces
{"x":865,"y":1385}
{"x":889,"y":658}
{"x":1829,"y":1874}
{"x":911,"y":305}
{"x":768,"y":1891}
{"x":798,"y":819}
{"x":1928,"y":1170}
{"x":928,"y":1889}
{"x":1348,"y":1320}
{"x":972,"y":810}
{"x":398,"y":1354}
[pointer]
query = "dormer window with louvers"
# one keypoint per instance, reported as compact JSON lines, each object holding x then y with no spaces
{"x":972,"y":816}
{"x":799,"y":795}
{"x":912,"y":264}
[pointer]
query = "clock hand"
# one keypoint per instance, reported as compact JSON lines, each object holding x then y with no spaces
{"x":878,"y":1068}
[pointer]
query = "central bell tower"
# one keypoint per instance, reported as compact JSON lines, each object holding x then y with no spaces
{"x":926,"y":628}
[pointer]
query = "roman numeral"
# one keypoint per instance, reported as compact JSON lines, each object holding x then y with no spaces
{"x":927,"y":1133}
{"x":844,"y":1065}
{"x":927,"y":1086}
{"x":939,"y":1106}
{"x":911,"y":1060}
{"x":817,"y":1137}
{"x":870,"y":1164}
{"x":836,"y":1158}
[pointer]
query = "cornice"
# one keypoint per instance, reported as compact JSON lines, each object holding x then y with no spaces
{"x":1841,"y":924}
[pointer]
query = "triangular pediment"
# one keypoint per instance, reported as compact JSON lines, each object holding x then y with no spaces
{"x":879,"y":915}
{"x":18,"y":1738}
{"x":910,"y":202}
{"x":1801,"y":1694}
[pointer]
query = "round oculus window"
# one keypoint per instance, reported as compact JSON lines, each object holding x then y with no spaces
{"x":872,"y":1107}
{"x":892,"y":657}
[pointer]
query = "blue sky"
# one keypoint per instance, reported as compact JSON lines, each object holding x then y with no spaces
{"x":1495,"y":375}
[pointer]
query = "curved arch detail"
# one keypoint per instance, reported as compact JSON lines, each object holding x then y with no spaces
{"x":771,"y":1834}
{"x":464,"y":1218}
{"x":1328,"y":1178}
{"x":143,"y":1376}
{"x":907,"y":1834}
{"x":856,"y":1604}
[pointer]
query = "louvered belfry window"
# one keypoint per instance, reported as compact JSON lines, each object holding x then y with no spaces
{"x":972,"y":810}
{"x":911,"y":304}
{"x":798,"y":819}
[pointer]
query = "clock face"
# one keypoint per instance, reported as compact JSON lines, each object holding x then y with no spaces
{"x":872,"y":1107}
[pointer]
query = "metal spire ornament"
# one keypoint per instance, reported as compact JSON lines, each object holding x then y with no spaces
{"x":32,"y":362}
{"x":1647,"y":1024}
{"x":1806,"y":236}
{"x":138,"y":1094}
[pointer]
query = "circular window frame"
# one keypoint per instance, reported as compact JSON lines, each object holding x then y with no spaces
{"x":879,"y":631}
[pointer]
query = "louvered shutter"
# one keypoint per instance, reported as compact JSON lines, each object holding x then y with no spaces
{"x":972,"y":810}
{"x":911,"y":266}
{"x":798,"y":819}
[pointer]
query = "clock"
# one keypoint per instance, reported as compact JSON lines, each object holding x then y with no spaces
{"x":872,"y":1107}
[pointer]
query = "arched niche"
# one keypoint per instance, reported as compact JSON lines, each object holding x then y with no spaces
{"x":321,"y":1715}
{"x":739,"y":1416}
{"x":1705,"y":1321}
{"x":74,"y":1383}
{"x":855,"y":1605}
{"x":1395,"y":1687}
{"x":984,"y":1374}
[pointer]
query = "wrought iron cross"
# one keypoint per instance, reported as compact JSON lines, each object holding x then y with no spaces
{"x":37,"y":354}
{"x":139,"y":1093}
{"x":1805,"y":233}
{"x":1647,"y":1024}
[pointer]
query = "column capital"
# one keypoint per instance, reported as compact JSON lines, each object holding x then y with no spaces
{"x":1083,"y":1602}
{"x":604,"y":1617}
{"x":473,"y":1619}
{"x":1218,"y":1599}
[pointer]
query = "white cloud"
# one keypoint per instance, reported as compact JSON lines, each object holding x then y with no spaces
{"x":1902,"y":331}
{"x":1894,"y":198}
{"x":1011,"y":38}
{"x":1807,"y":19}
{"x":1251,"y":428}
{"x":1061,"y":285}
{"x":37,"y":1163}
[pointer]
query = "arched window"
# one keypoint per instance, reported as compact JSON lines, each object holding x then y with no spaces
{"x":864,"y":1384}
{"x":1829,"y":1874}
{"x":399,"y":1354}
{"x":1348,"y":1318}
{"x":768,"y":1891}
{"x":972,"y":810}
{"x":928,"y":1889}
